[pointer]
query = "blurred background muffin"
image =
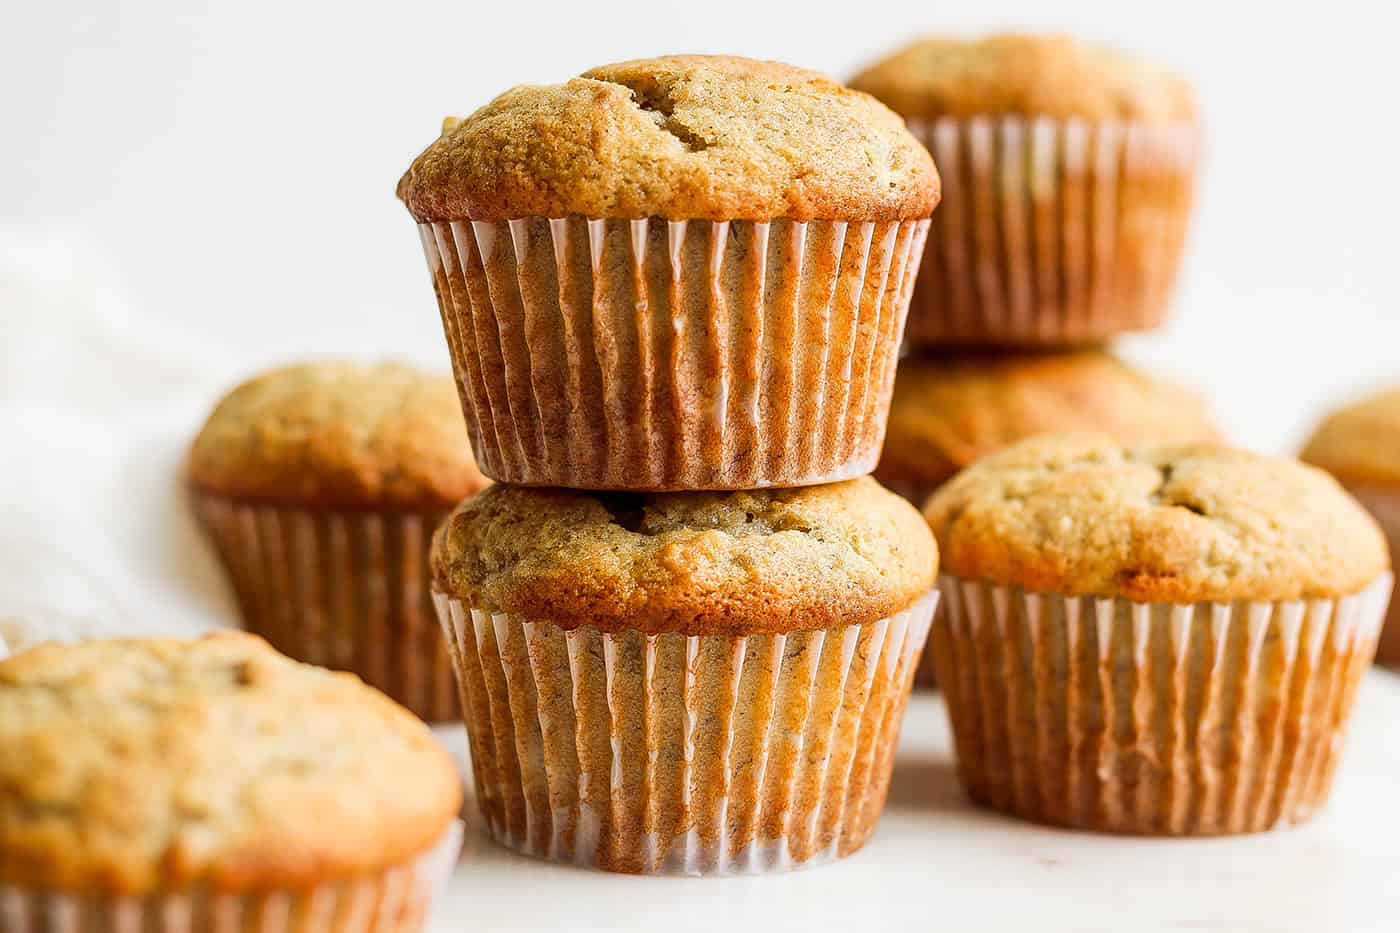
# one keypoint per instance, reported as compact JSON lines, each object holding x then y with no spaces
{"x":1360,"y":445}
{"x":320,"y":484}
{"x":212,"y":785}
{"x":687,"y":272}
{"x":1068,"y":170}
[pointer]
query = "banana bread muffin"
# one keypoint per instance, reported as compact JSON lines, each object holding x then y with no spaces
{"x":320,"y":484}
{"x":1156,"y":640}
{"x":1068,"y":171}
{"x":1360,"y":446}
{"x":687,"y":272}
{"x":685,"y":682}
{"x":161,"y":784}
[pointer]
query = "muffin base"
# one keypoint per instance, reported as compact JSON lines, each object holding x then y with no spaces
{"x":655,"y":355}
{"x":1051,"y":232}
{"x":1385,"y":507}
{"x":396,"y":901}
{"x":344,"y":590}
{"x":1151,"y":718}
{"x":697,"y":755}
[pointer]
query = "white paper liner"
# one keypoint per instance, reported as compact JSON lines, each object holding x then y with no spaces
{"x":696,"y":755}
{"x":653,"y":354}
{"x":397,"y":901}
{"x":345,"y":590}
{"x":1051,"y":231}
{"x":1385,"y":507}
{"x":1152,"y":718}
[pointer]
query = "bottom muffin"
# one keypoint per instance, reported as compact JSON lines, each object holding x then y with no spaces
{"x":704,"y":683}
{"x":213,"y":786}
{"x":1163,"y":641}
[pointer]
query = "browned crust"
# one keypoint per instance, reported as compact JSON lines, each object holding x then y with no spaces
{"x":1360,"y":443}
{"x":148,"y":765}
{"x":338,"y":434}
{"x":684,"y":137}
{"x":1054,"y":76}
{"x":1081,"y":515}
{"x":949,"y":411}
{"x":732,"y":563}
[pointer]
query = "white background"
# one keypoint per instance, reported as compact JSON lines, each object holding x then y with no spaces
{"x":191,"y":190}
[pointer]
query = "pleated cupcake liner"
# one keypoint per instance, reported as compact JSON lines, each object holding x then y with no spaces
{"x":347,"y":590}
{"x":700,"y":755}
{"x":1385,"y":507}
{"x":397,"y":900}
{"x":1151,"y":718}
{"x":653,"y":354}
{"x":1051,"y":232}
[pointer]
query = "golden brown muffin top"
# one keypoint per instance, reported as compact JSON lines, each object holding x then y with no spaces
{"x":1360,"y":444}
{"x":681,"y":137}
{"x":339,"y":434}
{"x":1054,"y":76}
{"x":773,"y":560}
{"x":146,"y":765}
{"x":1081,"y":515}
{"x":949,"y":411}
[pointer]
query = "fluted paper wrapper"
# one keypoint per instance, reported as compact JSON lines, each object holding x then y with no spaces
{"x":1151,"y":718}
{"x":1385,"y":507}
{"x":1051,"y":232}
{"x":396,"y":901}
{"x":694,"y":755}
{"x":344,"y":590}
{"x":653,"y":354}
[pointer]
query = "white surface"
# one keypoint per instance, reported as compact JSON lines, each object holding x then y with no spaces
{"x":938,"y":863}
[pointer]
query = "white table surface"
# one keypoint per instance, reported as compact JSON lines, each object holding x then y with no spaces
{"x":939,"y":863}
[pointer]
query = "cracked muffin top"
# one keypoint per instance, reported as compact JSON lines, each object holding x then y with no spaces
{"x":148,"y":765}
{"x":682,"y":137}
{"x":949,"y":411}
{"x":697,"y":563}
{"x":341,"y":434}
{"x":1081,"y":515}
{"x":1360,"y":444}
{"x":1055,"y":76}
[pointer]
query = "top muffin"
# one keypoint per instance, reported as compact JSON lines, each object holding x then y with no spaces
{"x":1081,"y":515}
{"x":680,"y":137}
{"x":146,"y":765}
{"x":1360,"y":444}
{"x":771,"y":560}
{"x":1055,"y":76}
{"x":339,"y":434}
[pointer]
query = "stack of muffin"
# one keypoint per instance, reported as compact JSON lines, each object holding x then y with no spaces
{"x":1068,"y":170}
{"x":684,"y":620}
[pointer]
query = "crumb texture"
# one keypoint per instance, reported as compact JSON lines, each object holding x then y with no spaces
{"x":1360,"y":444}
{"x":1081,"y":515}
{"x":339,"y":434}
{"x":1054,"y":76}
{"x":682,"y":137}
{"x":736,"y":563}
{"x":142,"y":766}
{"x":949,"y":411}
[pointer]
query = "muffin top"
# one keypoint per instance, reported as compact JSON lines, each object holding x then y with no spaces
{"x":146,"y":765}
{"x":949,"y":411}
{"x":698,"y":563}
{"x":339,"y":434}
{"x":1360,"y":444}
{"x":682,"y":137}
{"x":1053,"y":76}
{"x":1082,"y":516}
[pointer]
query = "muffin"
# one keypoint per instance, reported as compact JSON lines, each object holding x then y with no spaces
{"x":1068,"y":170}
{"x":1360,"y":446}
{"x":699,"y":683}
{"x":675,"y":273}
{"x":321,"y":484}
{"x":210,"y":785}
{"x":1154,"y":640}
